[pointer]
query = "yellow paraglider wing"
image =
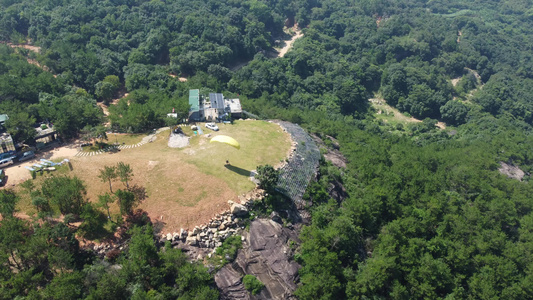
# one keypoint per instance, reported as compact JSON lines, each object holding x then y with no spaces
{"x":226,"y":140}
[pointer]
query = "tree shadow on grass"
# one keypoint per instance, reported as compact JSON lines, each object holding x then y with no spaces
{"x":139,"y":192}
{"x":238,"y":170}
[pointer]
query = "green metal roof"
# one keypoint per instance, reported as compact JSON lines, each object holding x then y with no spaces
{"x":3,"y":118}
{"x":194,"y":100}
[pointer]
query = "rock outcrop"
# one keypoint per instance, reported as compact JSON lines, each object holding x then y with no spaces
{"x":267,"y":255}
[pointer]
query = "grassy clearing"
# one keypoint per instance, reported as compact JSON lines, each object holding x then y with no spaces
{"x":187,"y":186}
{"x":260,"y":144}
{"x":390,"y":114}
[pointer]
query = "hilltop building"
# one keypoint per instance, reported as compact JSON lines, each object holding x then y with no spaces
{"x":212,"y":108}
{"x":6,"y":143}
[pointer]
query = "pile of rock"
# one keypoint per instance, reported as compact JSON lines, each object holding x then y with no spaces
{"x":212,"y":234}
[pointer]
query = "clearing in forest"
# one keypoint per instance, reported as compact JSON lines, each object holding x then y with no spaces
{"x":288,"y":44}
{"x":393,"y":116}
{"x":186,"y":186}
{"x":390,"y":114}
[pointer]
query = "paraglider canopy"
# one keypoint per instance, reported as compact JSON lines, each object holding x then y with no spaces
{"x":226,"y":140}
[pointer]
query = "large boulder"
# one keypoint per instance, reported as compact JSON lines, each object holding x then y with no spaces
{"x":230,"y":283}
{"x":266,"y":255}
{"x":191,"y":240}
{"x":239,"y":210}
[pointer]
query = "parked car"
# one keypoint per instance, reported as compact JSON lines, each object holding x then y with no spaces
{"x":2,"y":177}
{"x":8,"y":154}
{"x":27,"y":155}
{"x":212,"y":126}
{"x":6,"y":161}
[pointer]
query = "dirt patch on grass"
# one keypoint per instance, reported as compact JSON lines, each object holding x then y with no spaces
{"x":178,"y":141}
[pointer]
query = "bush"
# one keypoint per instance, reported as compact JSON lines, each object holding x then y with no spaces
{"x":268,"y":177}
{"x":227,"y":252}
{"x":252,"y":284}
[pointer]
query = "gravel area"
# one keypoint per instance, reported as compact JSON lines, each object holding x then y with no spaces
{"x":178,"y":140}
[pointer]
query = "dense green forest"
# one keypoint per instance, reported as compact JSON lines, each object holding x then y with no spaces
{"x":427,"y":215}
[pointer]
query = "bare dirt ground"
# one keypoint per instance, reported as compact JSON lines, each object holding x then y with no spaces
{"x":511,"y":171}
{"x":274,"y":52}
{"x":178,"y":141}
{"x":31,"y":61}
{"x":105,"y":108}
{"x":456,"y":80}
{"x":29,"y":47}
{"x":289,"y":43}
{"x":181,"y":79}
{"x":18,"y":173}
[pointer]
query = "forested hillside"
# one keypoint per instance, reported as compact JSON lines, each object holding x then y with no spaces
{"x":428,"y":215}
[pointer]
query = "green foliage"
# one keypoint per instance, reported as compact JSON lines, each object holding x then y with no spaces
{"x":252,"y":284}
{"x":454,"y":112}
{"x":67,"y":194}
{"x":144,"y":110}
{"x":425,"y":215}
{"x":93,"y":222}
{"x":8,"y":201}
{"x":65,"y":286}
{"x":107,"y":88}
{"x":227,"y":252}
{"x":125,"y":173}
{"x":107,"y":174}
{"x":42,"y":205}
{"x":267,"y":176}
{"x":126,"y":201}
{"x":20,"y":126}
{"x":104,"y":201}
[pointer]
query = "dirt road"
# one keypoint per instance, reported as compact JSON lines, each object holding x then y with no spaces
{"x":18,"y":173}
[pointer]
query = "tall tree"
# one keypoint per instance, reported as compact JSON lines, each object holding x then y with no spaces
{"x":125,"y":173}
{"x":104,"y":201}
{"x":20,"y":126}
{"x":107,"y":175}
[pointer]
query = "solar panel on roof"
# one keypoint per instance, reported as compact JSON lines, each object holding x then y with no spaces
{"x":217,"y":100}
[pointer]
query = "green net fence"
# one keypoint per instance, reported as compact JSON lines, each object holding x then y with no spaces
{"x":302,"y":165}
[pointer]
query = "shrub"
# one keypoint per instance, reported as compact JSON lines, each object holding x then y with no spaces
{"x":252,"y":284}
{"x":227,"y":252}
{"x":268,"y":177}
